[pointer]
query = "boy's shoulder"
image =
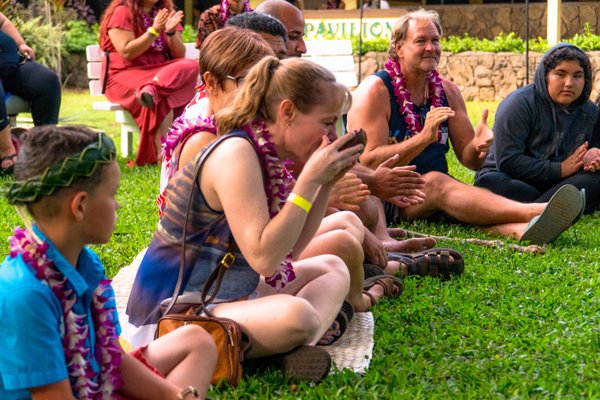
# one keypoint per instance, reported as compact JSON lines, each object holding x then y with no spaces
{"x":15,"y":273}
{"x":19,"y":286}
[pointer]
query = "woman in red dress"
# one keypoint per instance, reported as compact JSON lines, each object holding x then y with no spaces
{"x":147,"y":73}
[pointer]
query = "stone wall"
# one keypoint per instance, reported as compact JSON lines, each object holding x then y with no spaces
{"x":487,"y":21}
{"x":483,"y":76}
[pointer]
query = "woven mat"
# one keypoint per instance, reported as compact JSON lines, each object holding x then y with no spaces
{"x":353,"y":350}
{"x":123,"y":281}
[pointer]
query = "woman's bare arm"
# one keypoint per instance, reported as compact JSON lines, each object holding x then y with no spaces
{"x":238,"y":191}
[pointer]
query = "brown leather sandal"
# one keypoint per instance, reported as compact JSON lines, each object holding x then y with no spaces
{"x":392,"y":286}
{"x":436,"y":262}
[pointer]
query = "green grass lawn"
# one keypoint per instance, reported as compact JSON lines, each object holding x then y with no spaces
{"x":513,"y":326}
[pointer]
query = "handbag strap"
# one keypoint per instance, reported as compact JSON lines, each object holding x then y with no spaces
{"x":216,"y":276}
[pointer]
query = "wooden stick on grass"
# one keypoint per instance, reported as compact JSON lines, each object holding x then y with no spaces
{"x":531,"y":249}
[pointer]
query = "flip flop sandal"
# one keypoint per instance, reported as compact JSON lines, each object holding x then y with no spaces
{"x":583,"y":199}
{"x":341,"y":323}
{"x":372,"y":270}
{"x":11,"y":168}
{"x":392,"y":286}
{"x":434,"y":262}
{"x":562,"y":210}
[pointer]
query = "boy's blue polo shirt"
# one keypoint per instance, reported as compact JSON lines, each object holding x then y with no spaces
{"x":32,"y":323}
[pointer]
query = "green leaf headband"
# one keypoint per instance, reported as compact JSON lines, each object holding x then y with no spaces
{"x":62,"y":175}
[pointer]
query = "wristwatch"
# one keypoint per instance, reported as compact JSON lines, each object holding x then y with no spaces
{"x":189,"y":390}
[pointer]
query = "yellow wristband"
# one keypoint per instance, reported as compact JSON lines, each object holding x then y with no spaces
{"x":300,"y":201}
{"x":153,"y":32}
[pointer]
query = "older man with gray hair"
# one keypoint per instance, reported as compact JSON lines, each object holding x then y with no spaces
{"x":411,"y":114}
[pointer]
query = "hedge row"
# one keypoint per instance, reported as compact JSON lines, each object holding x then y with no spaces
{"x":587,"y":41}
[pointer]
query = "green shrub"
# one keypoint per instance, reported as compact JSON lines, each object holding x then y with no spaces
{"x":44,"y":39}
{"x":538,"y":45}
{"x":501,"y":43}
{"x":189,"y":34}
{"x":78,"y":35}
{"x":587,"y":41}
{"x":379,"y":45}
{"x":458,"y":44}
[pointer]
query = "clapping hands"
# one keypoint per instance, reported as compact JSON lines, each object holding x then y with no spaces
{"x":166,"y":20}
{"x":434,"y":118}
{"x":349,"y":193}
{"x":398,"y":185}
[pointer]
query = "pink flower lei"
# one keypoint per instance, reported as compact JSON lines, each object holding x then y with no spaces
{"x":277,"y":183}
{"x":224,"y":12}
{"x":88,"y":384}
{"x":181,"y":129}
{"x":406,"y":106}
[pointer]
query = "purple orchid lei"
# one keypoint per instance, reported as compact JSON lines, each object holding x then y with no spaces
{"x":181,"y":129}
{"x":88,"y":384}
{"x":159,"y":43}
{"x":224,"y":11}
{"x":277,"y":184}
{"x":406,"y":106}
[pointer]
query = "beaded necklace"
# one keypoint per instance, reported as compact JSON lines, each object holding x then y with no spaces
{"x":406,"y":106}
{"x":87,"y":383}
{"x":277,"y":184}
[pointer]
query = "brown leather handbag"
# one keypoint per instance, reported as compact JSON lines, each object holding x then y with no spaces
{"x":232,"y":342}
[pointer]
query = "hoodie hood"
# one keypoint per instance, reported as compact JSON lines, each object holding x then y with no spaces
{"x":541,"y":86}
{"x":533,"y":135}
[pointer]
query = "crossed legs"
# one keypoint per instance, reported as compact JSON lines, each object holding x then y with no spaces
{"x":298,"y":314}
{"x":186,"y":357}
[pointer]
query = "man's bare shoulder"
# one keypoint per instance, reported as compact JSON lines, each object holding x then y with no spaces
{"x":453,"y":94}
{"x":371,"y":89}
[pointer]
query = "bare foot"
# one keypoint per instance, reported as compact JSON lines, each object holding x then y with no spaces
{"x":396,"y":232}
{"x":412,"y":245}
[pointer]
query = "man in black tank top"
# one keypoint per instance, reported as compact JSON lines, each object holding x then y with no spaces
{"x":409,"y":112}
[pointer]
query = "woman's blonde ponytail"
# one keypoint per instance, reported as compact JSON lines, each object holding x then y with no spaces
{"x":250,"y":100}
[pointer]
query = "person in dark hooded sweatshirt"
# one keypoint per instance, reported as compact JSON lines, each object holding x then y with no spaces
{"x":544,"y":134}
